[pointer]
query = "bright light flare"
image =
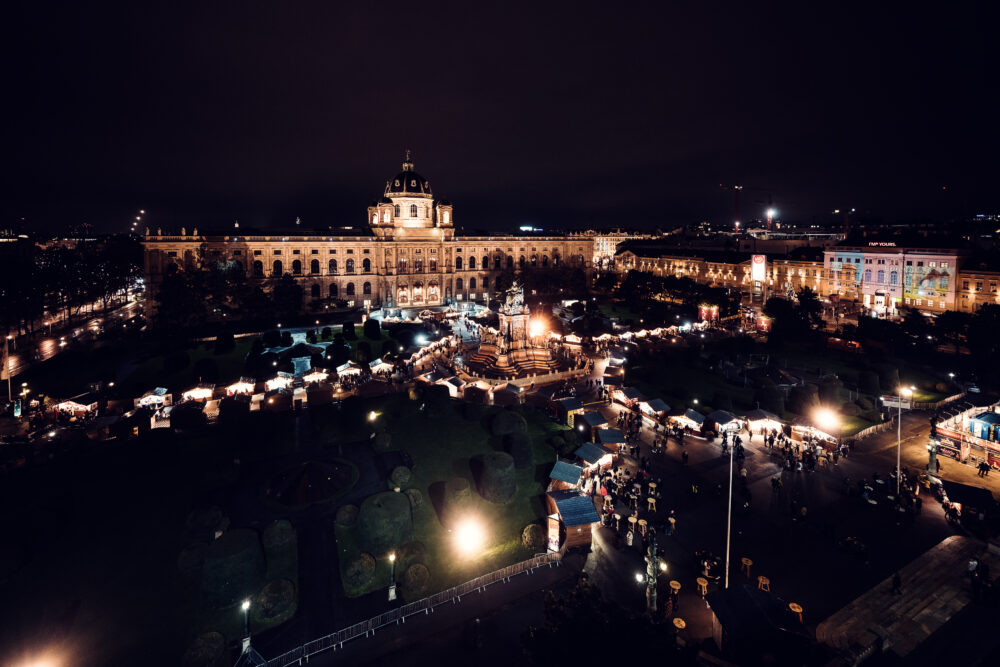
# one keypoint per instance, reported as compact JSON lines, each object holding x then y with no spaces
{"x":827,"y":420}
{"x":536,"y":328}
{"x":639,"y":578}
{"x":245,"y":605}
{"x":771,"y":213}
{"x":469,"y":536}
{"x":663,"y":566}
{"x":372,"y":416}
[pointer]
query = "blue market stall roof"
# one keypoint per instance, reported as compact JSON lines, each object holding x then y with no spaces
{"x":657,"y":405}
{"x":760,"y":415}
{"x":694,"y":416}
{"x":722,"y":417}
{"x":631,"y":393}
{"x":575,"y":508}
{"x":610,"y":436}
{"x":566,"y":472}
{"x":590,"y":452}
{"x":570,"y":404}
{"x":611,"y":381}
{"x":594,"y":419}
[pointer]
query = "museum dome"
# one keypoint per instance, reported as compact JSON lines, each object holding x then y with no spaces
{"x":408,"y":183}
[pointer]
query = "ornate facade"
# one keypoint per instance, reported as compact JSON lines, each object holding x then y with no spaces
{"x":406,"y":255}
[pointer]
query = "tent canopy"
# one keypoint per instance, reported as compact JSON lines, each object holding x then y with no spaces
{"x":655,"y":405}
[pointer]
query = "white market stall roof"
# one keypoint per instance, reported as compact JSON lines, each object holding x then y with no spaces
{"x":722,"y":417}
{"x":280,"y":381}
{"x":199,"y":393}
{"x":379,"y":365}
{"x":157,"y":397}
{"x":244,"y":385}
{"x":692,"y":416}
{"x":762,"y":415}
{"x":315,"y":375}
{"x":349,"y":367}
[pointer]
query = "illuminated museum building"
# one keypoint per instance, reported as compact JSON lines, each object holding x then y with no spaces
{"x":407,"y":255}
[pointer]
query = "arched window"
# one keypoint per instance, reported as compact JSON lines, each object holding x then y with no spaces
{"x":545,"y":260}
{"x":333,"y":266}
{"x":486,"y":263}
{"x":385,"y":216}
{"x":447,"y":217}
{"x":413,"y":210}
{"x":520,"y":262}
{"x":497,"y":262}
{"x":881,"y":277}
{"x":472,"y":262}
{"x":349,"y":266}
{"x":396,"y":210}
{"x":366,"y":289}
{"x":555,"y":260}
{"x":510,"y":262}
{"x":534,"y":261}
{"x":579,"y":260}
{"x":458,"y":263}
{"x":277,"y":268}
{"x":943,"y":282}
{"x":486,"y":282}
{"x":418,"y":265}
{"x":350,"y":289}
{"x":314,"y":291}
{"x":238,"y":266}
{"x":472,"y":283}
{"x":402,"y":265}
{"x":893,"y":278}
{"x":366,"y":265}
{"x":334,"y":291}
{"x":258,"y":269}
{"x":433,"y":264}
{"x":458,"y":284}
{"x":868,"y":275}
{"x":297,"y":267}
{"x":314,"y":266}
{"x":375,"y":219}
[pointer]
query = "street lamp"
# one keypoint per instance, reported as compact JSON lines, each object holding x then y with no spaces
{"x":392,"y":576}
{"x":246,"y":617}
{"x":903,"y":392}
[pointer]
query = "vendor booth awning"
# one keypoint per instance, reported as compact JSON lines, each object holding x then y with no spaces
{"x":610,"y":437}
{"x":575,"y":508}
{"x":762,"y":415}
{"x":690,"y":416}
{"x":594,"y":419}
{"x":280,"y":381}
{"x":244,"y":385}
{"x":723,"y":418}
{"x":590,"y":453}
{"x":569,"y":404}
{"x":200,"y":393}
{"x":654,"y":406}
{"x":566,"y":472}
{"x":349,"y":367}
{"x":631,"y":393}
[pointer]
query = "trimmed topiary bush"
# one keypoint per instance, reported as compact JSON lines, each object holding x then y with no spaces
{"x":400,"y":477}
{"x":384,"y":521}
{"x":382,"y":442}
{"x":347,"y":516}
{"x":359,"y":572}
{"x":203,"y":523}
{"x":507,"y":422}
{"x":519,"y":447}
{"x":233,"y":569}
{"x":415,"y":580}
{"x":281,"y":550}
{"x":415,"y":497}
{"x":498,"y":483}
{"x":533,"y":536}
{"x":275,"y":604}
{"x":410,"y":553}
{"x":850,"y":410}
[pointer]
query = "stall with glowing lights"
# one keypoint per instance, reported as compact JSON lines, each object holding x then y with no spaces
{"x":612,"y":439}
{"x":690,"y":419}
{"x":79,"y":406}
{"x":201,"y":393}
{"x":154,"y":399}
{"x":654,"y":408}
{"x":762,"y":422}
{"x":348,"y":368}
{"x":568,"y":410}
{"x":593,"y":457}
{"x":627,"y":396}
{"x":243,"y":387}
{"x":586,"y":422}
{"x":379,"y":366}
{"x":282,"y":380}
{"x":724,"y":421}
{"x":576,"y":516}
{"x":565,"y":476}
{"x":315,"y":375}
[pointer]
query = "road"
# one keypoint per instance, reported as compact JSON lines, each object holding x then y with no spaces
{"x":47,"y":343}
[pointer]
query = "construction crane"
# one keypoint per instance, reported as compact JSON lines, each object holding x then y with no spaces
{"x":736,"y":190}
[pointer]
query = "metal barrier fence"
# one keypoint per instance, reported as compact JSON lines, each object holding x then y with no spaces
{"x":368,"y":627}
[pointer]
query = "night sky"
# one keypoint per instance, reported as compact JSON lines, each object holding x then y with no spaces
{"x":553,"y":114}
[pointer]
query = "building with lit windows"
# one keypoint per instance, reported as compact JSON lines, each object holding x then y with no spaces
{"x":977,"y":286}
{"x":407,"y":254}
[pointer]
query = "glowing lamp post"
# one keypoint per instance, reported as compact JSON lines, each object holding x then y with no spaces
{"x":654,"y":566}
{"x":392,"y":576}
{"x":469,"y":537}
{"x":903,"y":392}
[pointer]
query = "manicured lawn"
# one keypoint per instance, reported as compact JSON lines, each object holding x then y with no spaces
{"x":157,"y":372}
{"x":441,"y":446}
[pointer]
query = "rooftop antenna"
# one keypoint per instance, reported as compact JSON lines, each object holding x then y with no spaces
{"x":408,"y":160}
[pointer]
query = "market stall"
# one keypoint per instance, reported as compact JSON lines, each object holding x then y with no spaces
{"x":612,"y":439}
{"x":568,"y":409}
{"x":655,"y":408}
{"x":315,"y":375}
{"x":627,"y":396}
{"x":201,"y":392}
{"x":243,"y":387}
{"x":576,"y":515}
{"x":593,"y":456}
{"x":282,"y":380}
{"x":564,"y":476}
{"x":690,"y":419}
{"x":348,"y":368}
{"x":724,"y":421}
{"x":79,"y":406}
{"x":762,"y":422}
{"x":154,"y":399}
